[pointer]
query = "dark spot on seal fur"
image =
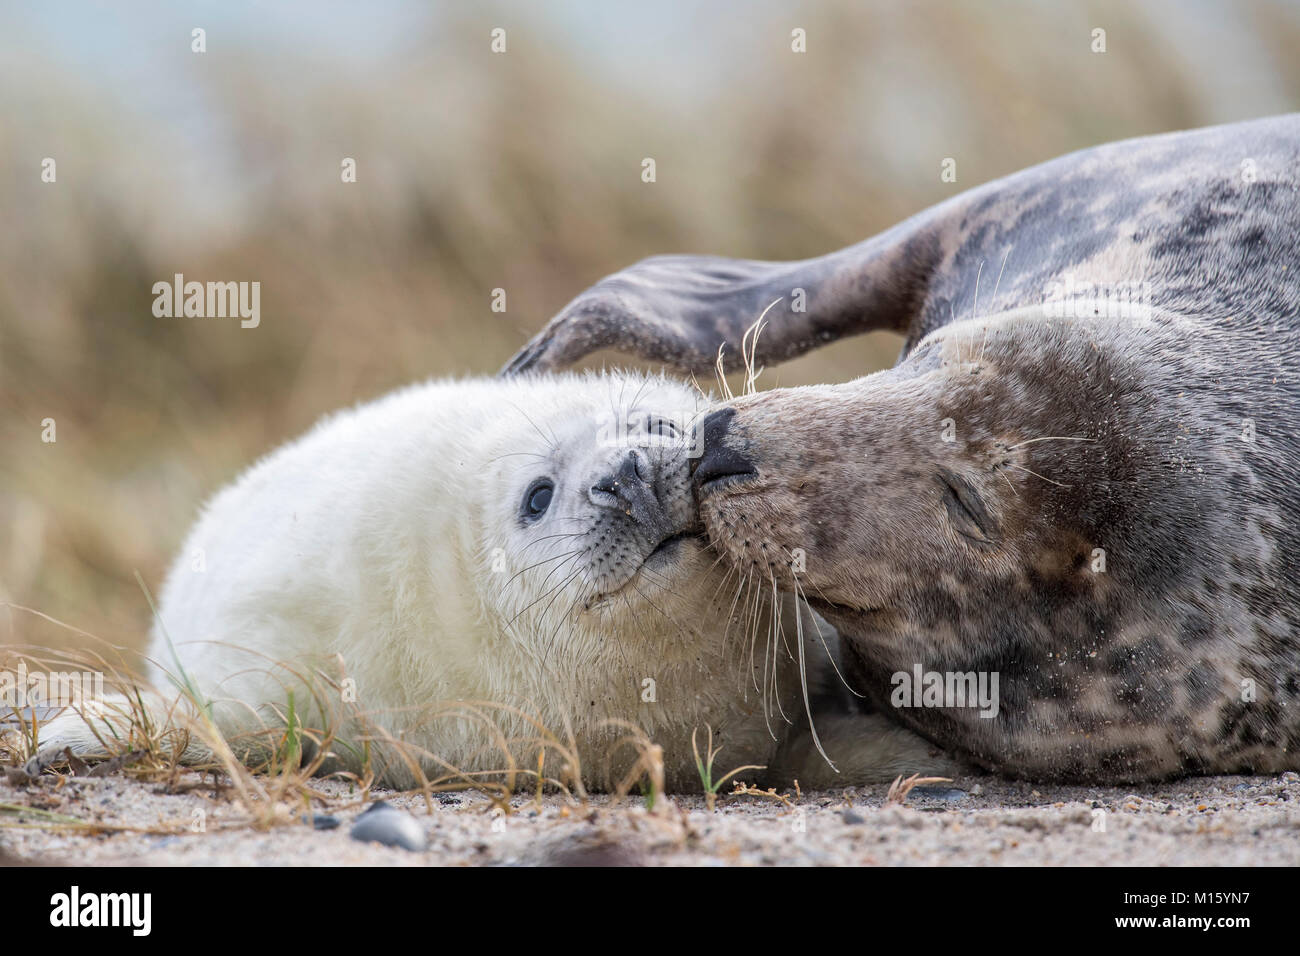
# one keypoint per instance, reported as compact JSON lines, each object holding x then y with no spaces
{"x":1203,"y":683}
{"x":1196,"y":628}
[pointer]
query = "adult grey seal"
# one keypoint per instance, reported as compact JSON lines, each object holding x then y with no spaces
{"x":464,"y":573}
{"x":1080,"y":477}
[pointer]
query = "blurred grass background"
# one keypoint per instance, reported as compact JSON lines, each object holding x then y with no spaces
{"x":476,"y":171}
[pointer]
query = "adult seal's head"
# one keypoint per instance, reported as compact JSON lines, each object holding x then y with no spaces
{"x":1062,"y":523}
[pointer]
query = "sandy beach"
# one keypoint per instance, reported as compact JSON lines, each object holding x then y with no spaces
{"x":1215,"y":821}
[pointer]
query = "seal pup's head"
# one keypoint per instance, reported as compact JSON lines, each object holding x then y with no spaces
{"x":569,"y":572}
{"x":588,"y":517}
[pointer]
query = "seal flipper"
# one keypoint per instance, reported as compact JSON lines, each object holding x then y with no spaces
{"x":105,"y":728}
{"x":680,"y":309}
{"x":866,"y":748}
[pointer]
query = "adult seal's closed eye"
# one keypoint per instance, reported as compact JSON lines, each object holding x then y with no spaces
{"x":482,"y":570}
{"x":1080,"y":476}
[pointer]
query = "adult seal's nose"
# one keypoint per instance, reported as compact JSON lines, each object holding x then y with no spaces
{"x":720,"y":462}
{"x":631,"y":489}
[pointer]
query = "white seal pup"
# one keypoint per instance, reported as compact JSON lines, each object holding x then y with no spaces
{"x":468,"y":564}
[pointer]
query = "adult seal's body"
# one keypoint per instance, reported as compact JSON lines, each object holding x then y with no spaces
{"x":462,"y":574}
{"x":1081,"y":476}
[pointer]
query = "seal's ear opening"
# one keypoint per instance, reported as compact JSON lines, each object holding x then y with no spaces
{"x":967,"y":510}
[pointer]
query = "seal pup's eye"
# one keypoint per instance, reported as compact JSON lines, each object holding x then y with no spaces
{"x":538,"y":498}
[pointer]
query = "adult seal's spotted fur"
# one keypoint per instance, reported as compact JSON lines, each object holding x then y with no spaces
{"x":498,"y":568}
{"x":1081,"y":475}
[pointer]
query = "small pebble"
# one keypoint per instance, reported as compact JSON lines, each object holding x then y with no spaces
{"x":853,"y":817}
{"x":382,"y":823}
{"x":322,"y":821}
{"x":950,"y":794}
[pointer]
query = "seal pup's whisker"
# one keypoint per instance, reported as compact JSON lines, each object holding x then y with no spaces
{"x":656,"y":607}
{"x":551,"y":537}
{"x":556,"y":591}
{"x":551,"y":440}
{"x":546,"y":594}
{"x":558,"y":568}
{"x":748,"y":357}
{"x":640,"y":392}
{"x":564,"y":618}
{"x":517,"y":454}
{"x":555,"y":557}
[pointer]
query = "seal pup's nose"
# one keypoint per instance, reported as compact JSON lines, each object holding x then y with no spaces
{"x":631,"y":488}
{"x":719,"y":462}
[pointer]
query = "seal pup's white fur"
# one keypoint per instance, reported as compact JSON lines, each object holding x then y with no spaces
{"x":402,"y":539}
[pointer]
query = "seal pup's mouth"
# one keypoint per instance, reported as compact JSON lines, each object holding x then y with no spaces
{"x":663,"y":554}
{"x":670,"y":543}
